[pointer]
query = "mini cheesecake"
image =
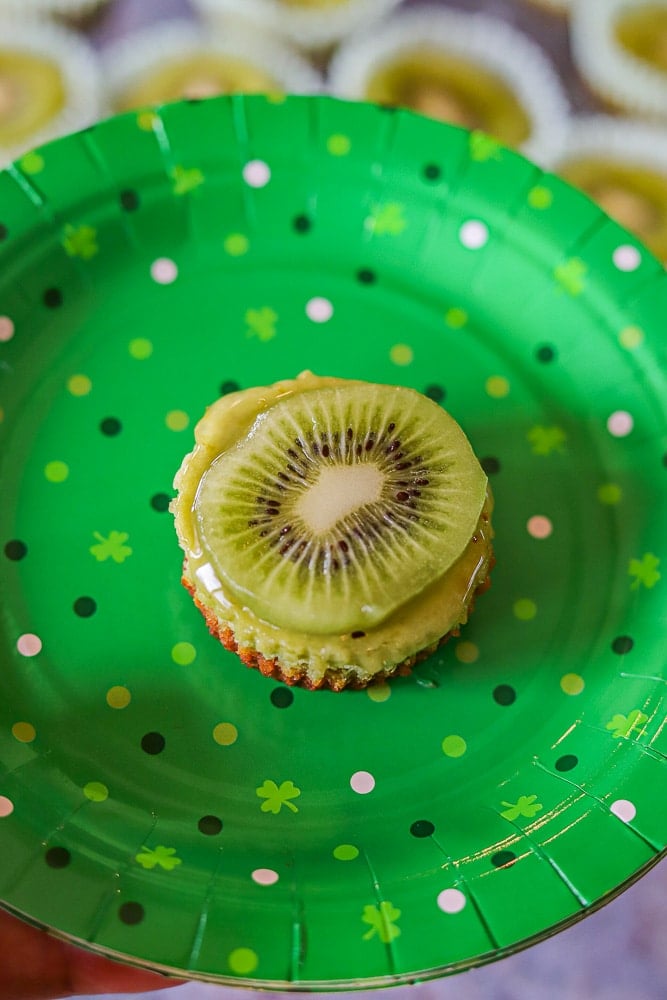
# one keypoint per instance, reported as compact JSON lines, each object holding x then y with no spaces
{"x":333,"y":636}
{"x":465,"y":69}
{"x":622,"y":165}
{"x":177,"y":60}
{"x":49,"y":84}
{"x":620,"y":49}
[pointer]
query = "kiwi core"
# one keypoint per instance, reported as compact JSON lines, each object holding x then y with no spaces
{"x":340,"y":490}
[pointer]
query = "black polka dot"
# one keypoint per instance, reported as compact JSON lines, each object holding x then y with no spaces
{"x":366,"y":276}
{"x":210,"y":826}
{"x":131,"y":913}
{"x":57,"y":857}
{"x":435,"y":392}
{"x":490,"y":465}
{"x":504,"y":694}
{"x":302,"y":224}
{"x":664,"y":460}
{"x":545,"y":354}
{"x":432,"y":172}
{"x":160,"y":502}
{"x":84,"y":607}
{"x":111,"y":426}
{"x":422,"y":828}
{"x":622,"y":644}
{"x":503,"y":859}
{"x":229,"y":386}
{"x":52,"y":298}
{"x":16,"y":550}
{"x":4,"y":232}
{"x":153,"y":743}
{"x":282,"y":697}
{"x":129,"y":200}
{"x":567,"y":762}
{"x":357,"y":634}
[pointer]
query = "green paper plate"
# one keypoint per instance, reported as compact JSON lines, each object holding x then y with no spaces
{"x":160,"y":802}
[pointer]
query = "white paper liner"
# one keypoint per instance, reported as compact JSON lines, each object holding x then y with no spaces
{"x":494,"y":45}
{"x":308,"y":28}
{"x":613,"y":72}
{"x":79,"y":67}
{"x":136,"y":57}
{"x":625,"y":140}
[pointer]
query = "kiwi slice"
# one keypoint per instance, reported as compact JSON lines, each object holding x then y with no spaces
{"x":340,"y":505}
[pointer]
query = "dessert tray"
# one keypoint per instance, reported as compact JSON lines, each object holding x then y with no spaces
{"x":159,"y":801}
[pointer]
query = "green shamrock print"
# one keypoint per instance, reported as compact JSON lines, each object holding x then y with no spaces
{"x":111,"y":546}
{"x":386,"y":219}
{"x":158,"y":857}
{"x":623,"y":725}
{"x":277,"y":796}
{"x":545,"y":440}
{"x":484,"y":147}
{"x":571,"y":275}
{"x":80,"y":241}
{"x":186,"y":179}
{"x":526,"y":805}
{"x":382,"y":921}
{"x":261,"y":323}
{"x":644,"y":571}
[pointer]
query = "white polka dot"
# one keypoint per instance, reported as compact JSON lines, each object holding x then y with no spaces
{"x":164,"y":271}
{"x":319,"y":310}
{"x":257,"y":173}
{"x":6,"y":329}
{"x":624,"y":809}
{"x":362,"y":782}
{"x":473,"y":234}
{"x":627,"y":257}
{"x":29,"y":644}
{"x":451,"y":900}
{"x":265,"y":876}
{"x":620,"y":423}
{"x":6,"y":807}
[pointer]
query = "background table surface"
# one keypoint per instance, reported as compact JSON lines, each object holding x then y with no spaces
{"x":615,"y":954}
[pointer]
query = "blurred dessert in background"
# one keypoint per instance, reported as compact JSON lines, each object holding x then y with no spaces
{"x":49,"y":83}
{"x":622,"y":165}
{"x":309,"y":24}
{"x":467,"y":69}
{"x":620,"y":49}
{"x":179,"y":59}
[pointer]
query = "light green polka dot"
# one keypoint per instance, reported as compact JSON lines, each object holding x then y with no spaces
{"x":146,"y":120}
{"x":339,"y":144}
{"x":183,"y":653}
{"x":32,"y":163}
{"x":118,"y":697}
{"x":466,"y":652}
{"x":177,"y":420}
{"x":456,"y":317}
{"x":225,"y":734}
{"x":610,"y":493}
{"x":79,"y":385}
{"x":497,"y":386}
{"x":524,"y":609}
{"x":345,"y":852}
{"x":24,"y":732}
{"x":540,"y":197}
{"x":236,"y":244}
{"x":631,"y":337}
{"x":401,"y":354}
{"x":96,"y":791}
{"x":379,"y":692}
{"x":454,"y":746}
{"x":572,"y":684}
{"x":243,"y":961}
{"x":56,"y":472}
{"x":140,"y":348}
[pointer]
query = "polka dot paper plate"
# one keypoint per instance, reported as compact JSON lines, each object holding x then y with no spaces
{"x":158,"y":800}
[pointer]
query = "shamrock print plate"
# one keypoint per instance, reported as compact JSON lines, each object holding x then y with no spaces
{"x":159,"y":801}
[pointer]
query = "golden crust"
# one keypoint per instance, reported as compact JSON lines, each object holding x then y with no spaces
{"x":335,"y":678}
